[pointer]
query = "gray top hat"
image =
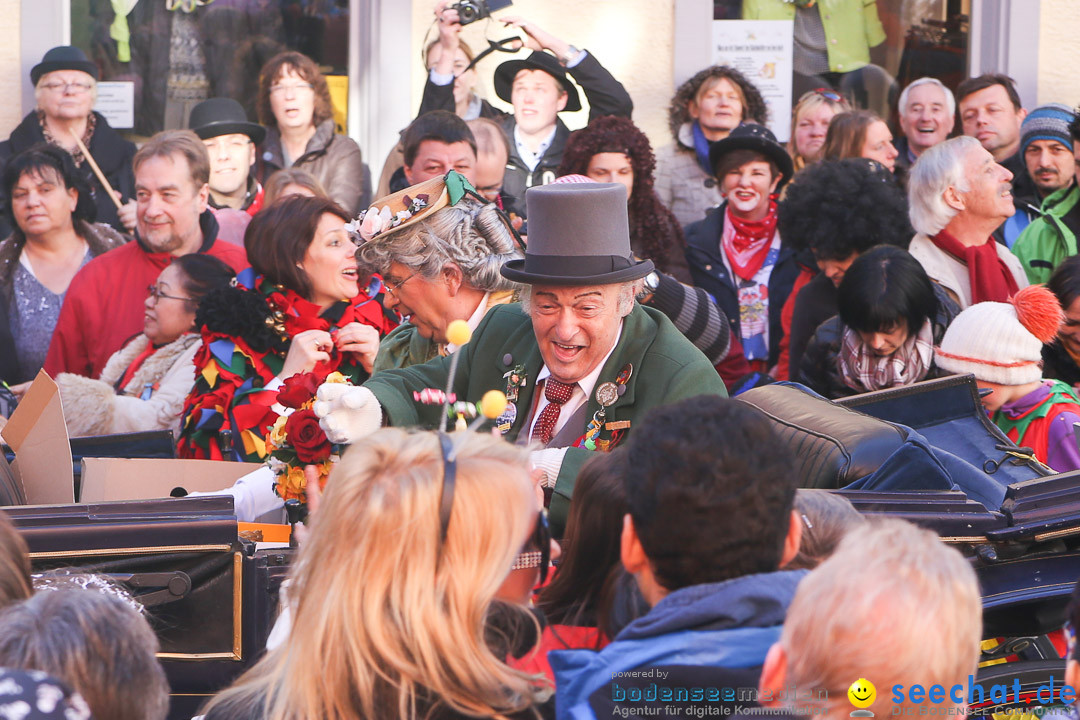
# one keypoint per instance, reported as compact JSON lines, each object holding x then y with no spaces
{"x":579,"y":234}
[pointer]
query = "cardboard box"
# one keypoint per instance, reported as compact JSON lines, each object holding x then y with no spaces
{"x":36,"y":431}
{"x":105,"y":479}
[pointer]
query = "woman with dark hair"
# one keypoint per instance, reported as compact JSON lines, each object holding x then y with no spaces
{"x":579,"y":604}
{"x":1061,"y":358}
{"x":860,"y":133}
{"x":144,"y":384}
{"x":299,"y":309}
{"x":736,"y":254}
{"x":294,"y":105}
{"x":705,"y":109}
{"x":52,"y":210}
{"x":613,"y":149}
{"x":891,"y":318}
{"x":837,"y":210}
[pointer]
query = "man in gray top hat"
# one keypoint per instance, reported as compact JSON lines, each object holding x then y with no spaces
{"x":581,"y":362}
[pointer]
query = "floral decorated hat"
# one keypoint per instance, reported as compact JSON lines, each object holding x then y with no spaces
{"x":411,"y":205}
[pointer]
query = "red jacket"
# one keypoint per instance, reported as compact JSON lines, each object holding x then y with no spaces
{"x":103,"y":307}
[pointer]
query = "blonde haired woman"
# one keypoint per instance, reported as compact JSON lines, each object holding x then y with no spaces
{"x":396,"y":585}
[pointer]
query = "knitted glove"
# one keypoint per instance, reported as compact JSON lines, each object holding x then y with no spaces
{"x":347,"y":413}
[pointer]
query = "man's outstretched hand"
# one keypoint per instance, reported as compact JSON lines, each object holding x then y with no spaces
{"x":347,"y":413}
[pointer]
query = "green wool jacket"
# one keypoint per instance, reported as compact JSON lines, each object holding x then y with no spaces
{"x":1047,"y":240}
{"x":666,"y":368}
{"x":852,"y":27}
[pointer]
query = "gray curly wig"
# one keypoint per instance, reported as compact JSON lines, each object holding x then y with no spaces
{"x":471,"y":235}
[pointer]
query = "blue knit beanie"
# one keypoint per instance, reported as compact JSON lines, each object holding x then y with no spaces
{"x":1047,"y":122}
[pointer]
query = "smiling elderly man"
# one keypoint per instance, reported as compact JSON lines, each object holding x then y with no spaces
{"x":957,"y":196}
{"x":601,"y":360}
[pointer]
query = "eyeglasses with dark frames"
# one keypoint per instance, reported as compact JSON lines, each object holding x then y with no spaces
{"x":153,"y":291}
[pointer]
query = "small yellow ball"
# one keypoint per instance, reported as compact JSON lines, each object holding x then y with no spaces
{"x":493,"y":404}
{"x":458,"y":333}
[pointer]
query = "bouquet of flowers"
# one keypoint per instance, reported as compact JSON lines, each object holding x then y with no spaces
{"x":296,"y":440}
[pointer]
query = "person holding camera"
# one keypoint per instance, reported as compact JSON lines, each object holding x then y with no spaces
{"x":538,"y":87}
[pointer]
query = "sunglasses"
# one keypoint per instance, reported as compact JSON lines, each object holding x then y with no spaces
{"x":828,"y":94}
{"x":541,"y":537}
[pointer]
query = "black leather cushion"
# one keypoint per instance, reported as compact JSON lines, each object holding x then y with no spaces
{"x":833,"y":445}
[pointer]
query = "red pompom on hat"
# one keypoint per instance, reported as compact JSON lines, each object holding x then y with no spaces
{"x":1039,"y":311}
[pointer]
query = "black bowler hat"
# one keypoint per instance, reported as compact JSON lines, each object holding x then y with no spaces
{"x":751,"y":136}
{"x":63,"y":57}
{"x":505,"y":74}
{"x":579,"y":234}
{"x":223,"y":116}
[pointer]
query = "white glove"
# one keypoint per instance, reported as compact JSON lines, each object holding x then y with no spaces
{"x":347,"y":413}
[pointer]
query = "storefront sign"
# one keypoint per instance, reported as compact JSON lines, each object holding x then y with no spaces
{"x":116,"y":101}
{"x":762,"y":51}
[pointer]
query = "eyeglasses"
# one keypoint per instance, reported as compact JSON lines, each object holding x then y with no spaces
{"x":158,"y":295}
{"x":541,"y":556}
{"x":76,"y":88}
{"x":292,"y":87}
{"x":392,"y":289}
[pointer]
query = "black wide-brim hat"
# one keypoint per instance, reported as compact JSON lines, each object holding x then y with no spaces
{"x":579,"y":234}
{"x":63,"y":57}
{"x":505,"y":74}
{"x":223,"y":116}
{"x":751,"y":136}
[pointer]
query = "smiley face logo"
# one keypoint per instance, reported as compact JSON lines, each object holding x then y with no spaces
{"x":862,"y":693}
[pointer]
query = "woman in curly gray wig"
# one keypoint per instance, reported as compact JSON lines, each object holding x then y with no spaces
{"x":440,"y":269}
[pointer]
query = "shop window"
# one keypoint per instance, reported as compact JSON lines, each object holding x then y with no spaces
{"x":177,"y":53}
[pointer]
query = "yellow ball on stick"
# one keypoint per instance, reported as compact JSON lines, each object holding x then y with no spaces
{"x":493,"y":404}
{"x":458,"y":333}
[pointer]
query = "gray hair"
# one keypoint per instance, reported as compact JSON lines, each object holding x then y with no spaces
{"x":471,"y":235}
{"x":950,"y":99}
{"x":906,"y":577}
{"x":936,"y":170}
{"x":94,"y":642}
{"x":628,"y":292}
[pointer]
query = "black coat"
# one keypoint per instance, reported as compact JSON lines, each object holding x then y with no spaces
{"x":605,"y":94}
{"x":1059,"y":365}
{"x":820,"y":369}
{"x":815,"y":303}
{"x":112,"y":153}
{"x":708,"y":271}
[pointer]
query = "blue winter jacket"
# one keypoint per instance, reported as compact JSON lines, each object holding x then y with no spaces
{"x":728,"y":624}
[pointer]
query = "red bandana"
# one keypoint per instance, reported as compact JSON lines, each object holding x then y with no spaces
{"x":748,"y":246}
{"x":990,"y":277}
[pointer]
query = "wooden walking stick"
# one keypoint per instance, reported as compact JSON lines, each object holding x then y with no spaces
{"x":97,"y":171}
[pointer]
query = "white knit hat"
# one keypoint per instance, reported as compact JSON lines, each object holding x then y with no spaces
{"x":1002,"y":342}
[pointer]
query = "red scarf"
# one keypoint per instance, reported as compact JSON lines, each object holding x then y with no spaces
{"x":748,"y":246}
{"x":991,"y":279}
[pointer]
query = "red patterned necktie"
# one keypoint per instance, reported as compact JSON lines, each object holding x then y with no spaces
{"x":557,"y":394}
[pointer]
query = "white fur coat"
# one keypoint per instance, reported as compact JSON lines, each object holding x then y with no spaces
{"x":92,"y":407}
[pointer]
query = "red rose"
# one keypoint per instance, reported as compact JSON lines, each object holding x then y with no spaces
{"x":298,"y":389}
{"x":308,"y":439}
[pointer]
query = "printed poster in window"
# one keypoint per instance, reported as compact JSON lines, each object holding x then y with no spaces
{"x":762,"y":51}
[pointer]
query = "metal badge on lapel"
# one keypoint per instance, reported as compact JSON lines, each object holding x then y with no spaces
{"x":607,"y":393}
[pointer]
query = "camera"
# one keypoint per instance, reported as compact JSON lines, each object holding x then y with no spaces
{"x":470,"y":11}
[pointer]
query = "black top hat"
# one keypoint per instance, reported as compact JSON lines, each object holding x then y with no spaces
{"x":505,"y":74}
{"x":223,"y":116}
{"x":751,"y":136}
{"x":63,"y":57}
{"x":579,"y":234}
